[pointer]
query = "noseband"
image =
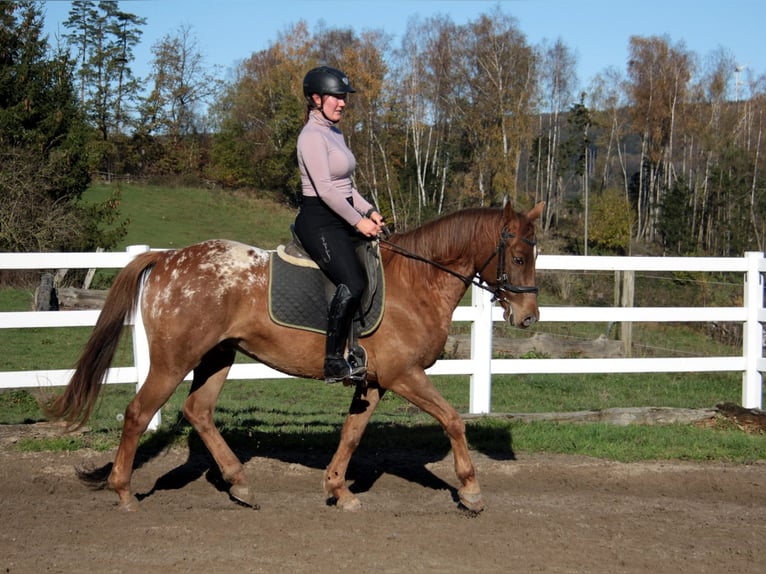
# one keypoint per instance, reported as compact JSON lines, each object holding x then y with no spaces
{"x":502,"y":284}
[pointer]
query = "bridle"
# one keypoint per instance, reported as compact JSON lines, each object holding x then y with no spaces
{"x":502,"y":283}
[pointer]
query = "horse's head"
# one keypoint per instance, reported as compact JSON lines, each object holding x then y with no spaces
{"x":514,"y":281}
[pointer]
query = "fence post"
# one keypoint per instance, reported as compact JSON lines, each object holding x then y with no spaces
{"x":140,"y":343}
{"x":752,"y":334}
{"x":625,"y":288}
{"x":481,"y":351}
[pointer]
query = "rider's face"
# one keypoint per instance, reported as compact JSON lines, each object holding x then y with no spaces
{"x":332,"y":105}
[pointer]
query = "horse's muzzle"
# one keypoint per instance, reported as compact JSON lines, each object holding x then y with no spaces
{"x":528,"y":321}
{"x":529,"y":318}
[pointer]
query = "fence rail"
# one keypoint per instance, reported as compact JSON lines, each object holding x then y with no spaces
{"x":481,"y":313}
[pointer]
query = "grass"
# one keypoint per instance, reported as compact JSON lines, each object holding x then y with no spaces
{"x":175,"y":217}
{"x":637,"y":443}
{"x":301,"y":414}
{"x":567,"y":393}
{"x":307,"y":415}
{"x":168,"y":217}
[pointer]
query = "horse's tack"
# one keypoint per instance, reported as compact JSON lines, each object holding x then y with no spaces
{"x":501,"y":284}
{"x":299,"y":292}
{"x":291,"y":254}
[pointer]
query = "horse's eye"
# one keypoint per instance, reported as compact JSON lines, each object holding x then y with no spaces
{"x":518,"y":261}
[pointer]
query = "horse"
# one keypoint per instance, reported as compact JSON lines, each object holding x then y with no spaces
{"x":203,"y":303}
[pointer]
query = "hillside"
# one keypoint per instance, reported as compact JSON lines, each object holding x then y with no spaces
{"x":175,"y":217}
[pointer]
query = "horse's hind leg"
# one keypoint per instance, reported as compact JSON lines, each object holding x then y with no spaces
{"x":366,"y":399}
{"x":198,"y":409}
{"x":153,"y":394}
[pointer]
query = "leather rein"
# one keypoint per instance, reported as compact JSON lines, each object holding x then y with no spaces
{"x":502,"y":284}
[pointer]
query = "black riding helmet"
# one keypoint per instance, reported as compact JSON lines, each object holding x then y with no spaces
{"x":326,"y":80}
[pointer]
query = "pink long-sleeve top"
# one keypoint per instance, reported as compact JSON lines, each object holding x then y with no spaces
{"x":326,"y":166}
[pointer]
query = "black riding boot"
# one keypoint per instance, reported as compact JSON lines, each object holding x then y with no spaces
{"x":341,"y":314}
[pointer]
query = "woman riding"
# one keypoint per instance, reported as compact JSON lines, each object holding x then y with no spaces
{"x":333,"y":212}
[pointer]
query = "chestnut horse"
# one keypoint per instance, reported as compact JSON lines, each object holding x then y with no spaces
{"x":202,"y":303}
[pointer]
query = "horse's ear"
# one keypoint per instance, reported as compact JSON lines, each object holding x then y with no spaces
{"x":536,"y":211}
{"x":533,"y":214}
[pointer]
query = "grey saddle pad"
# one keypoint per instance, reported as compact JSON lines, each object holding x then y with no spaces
{"x":299,"y":293}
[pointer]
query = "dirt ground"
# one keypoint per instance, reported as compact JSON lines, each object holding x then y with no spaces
{"x":544,"y":514}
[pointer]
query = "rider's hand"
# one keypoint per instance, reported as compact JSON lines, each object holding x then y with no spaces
{"x":369,"y":227}
{"x":377,"y":218}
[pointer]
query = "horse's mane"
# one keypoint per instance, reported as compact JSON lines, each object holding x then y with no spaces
{"x":446,"y":240}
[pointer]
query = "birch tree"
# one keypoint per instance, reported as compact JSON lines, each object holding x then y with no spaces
{"x":501,"y":79}
{"x":659,"y":74}
{"x":557,"y":81}
{"x":428,"y":84}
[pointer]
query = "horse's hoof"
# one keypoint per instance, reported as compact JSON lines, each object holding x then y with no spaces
{"x":349,"y":504}
{"x":471,"y":501}
{"x":240,"y":494}
{"x":130,"y":505}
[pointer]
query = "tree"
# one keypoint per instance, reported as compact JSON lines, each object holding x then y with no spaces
{"x":362,"y":58}
{"x":575,"y":153}
{"x":675,"y":221}
{"x":501,"y":75}
{"x":612,"y":221}
{"x":260,"y":115}
{"x":43,"y":139}
{"x":262,"y":111}
{"x":427,"y":83}
{"x":102,"y":38}
{"x":557,"y":80}
{"x":181,"y":84}
{"x":659,"y":77}
{"x":607,"y":97}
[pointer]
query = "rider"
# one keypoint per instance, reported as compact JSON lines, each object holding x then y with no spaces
{"x":333,"y":212}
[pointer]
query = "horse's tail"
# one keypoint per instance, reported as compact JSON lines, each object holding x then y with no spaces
{"x":76,"y":404}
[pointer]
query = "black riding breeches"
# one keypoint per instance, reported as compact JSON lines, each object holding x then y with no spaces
{"x":329,"y":240}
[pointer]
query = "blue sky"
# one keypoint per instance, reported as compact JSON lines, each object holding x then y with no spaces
{"x":597,"y":31}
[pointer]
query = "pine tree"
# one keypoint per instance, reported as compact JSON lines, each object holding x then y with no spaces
{"x":43,"y":141}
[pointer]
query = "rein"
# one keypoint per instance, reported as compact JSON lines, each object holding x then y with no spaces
{"x":501,"y":286}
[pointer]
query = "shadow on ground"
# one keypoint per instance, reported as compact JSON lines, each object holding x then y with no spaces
{"x":386,"y":448}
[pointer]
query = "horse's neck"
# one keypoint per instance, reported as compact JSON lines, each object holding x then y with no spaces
{"x":447,"y":290}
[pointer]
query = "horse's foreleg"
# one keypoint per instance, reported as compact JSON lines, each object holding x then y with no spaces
{"x":153,"y":394}
{"x":365,"y":401}
{"x":419,"y":390}
{"x":198,"y":409}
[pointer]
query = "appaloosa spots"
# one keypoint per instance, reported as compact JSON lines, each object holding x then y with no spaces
{"x":233,"y":264}
{"x":211,"y":268}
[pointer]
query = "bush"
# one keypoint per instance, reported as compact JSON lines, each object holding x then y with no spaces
{"x":610,"y":222}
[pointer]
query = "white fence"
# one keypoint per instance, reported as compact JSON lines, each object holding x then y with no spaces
{"x":482,"y":313}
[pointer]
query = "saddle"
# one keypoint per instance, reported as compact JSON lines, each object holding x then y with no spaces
{"x":300,"y":293}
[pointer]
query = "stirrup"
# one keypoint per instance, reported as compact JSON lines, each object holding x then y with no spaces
{"x":357,"y":360}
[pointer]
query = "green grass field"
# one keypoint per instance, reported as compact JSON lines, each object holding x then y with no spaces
{"x":295,"y":413}
{"x":175,"y":217}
